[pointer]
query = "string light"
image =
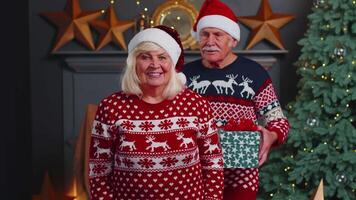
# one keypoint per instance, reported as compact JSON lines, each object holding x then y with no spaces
{"x":324,"y":64}
{"x":112,"y":1}
{"x":347,"y":105}
{"x":347,"y":90}
{"x":353,"y":62}
{"x":138,"y":2}
{"x":103,"y":11}
{"x":325,"y":143}
{"x":321,"y":38}
{"x":145,"y":9}
{"x":271,"y":195}
{"x":349,"y":76}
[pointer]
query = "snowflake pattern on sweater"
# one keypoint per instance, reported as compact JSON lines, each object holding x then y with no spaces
{"x":168,"y":150}
{"x":242,"y":89}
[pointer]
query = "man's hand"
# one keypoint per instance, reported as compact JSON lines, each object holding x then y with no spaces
{"x":267,"y":140}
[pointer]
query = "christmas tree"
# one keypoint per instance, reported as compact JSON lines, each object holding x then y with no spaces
{"x":322,"y":140}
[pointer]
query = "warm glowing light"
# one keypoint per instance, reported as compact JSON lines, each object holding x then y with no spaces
{"x":103,"y":11}
{"x":145,"y":9}
{"x":112,"y":1}
{"x":138,"y":2}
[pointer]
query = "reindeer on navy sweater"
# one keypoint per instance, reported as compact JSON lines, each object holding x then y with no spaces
{"x":242,"y":89}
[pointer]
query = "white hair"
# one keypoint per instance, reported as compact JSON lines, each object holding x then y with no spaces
{"x":130,"y":83}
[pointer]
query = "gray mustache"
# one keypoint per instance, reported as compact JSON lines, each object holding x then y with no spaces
{"x":206,"y":48}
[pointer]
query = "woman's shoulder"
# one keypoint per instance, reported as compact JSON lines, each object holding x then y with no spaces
{"x":116,"y":98}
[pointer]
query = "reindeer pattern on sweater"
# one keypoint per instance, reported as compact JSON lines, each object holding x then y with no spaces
{"x":242,"y":89}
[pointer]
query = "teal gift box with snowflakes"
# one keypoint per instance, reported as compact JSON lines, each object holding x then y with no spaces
{"x":240,"y":144}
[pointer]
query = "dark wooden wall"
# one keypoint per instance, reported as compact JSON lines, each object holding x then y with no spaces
{"x":15,"y":139}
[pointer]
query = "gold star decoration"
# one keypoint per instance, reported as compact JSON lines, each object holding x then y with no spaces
{"x":265,"y":25}
{"x":72,"y":23}
{"x":111,"y":29}
{"x":48,"y":192}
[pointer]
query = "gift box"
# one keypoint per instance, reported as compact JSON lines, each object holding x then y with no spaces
{"x":240,"y":144}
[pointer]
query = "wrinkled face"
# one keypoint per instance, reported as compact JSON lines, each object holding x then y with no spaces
{"x":153,"y":69}
{"x":215,"y":44}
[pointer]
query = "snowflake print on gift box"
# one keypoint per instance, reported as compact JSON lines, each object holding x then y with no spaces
{"x":168,"y":162}
{"x":182,"y":122}
{"x":99,"y":129}
{"x":128,"y":125}
{"x":127,"y":162}
{"x":146,"y":163}
{"x":99,"y":169}
{"x":146,"y":126}
{"x":166,"y":124}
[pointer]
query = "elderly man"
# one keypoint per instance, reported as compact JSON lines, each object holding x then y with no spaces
{"x":237,"y":88}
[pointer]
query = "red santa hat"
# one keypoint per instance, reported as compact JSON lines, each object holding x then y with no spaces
{"x":216,"y":14}
{"x":168,"y":39}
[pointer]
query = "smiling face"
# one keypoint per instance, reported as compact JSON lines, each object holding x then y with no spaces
{"x":215,"y":45}
{"x":153,"y":69}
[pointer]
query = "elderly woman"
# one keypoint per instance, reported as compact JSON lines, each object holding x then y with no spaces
{"x":155,"y":139}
